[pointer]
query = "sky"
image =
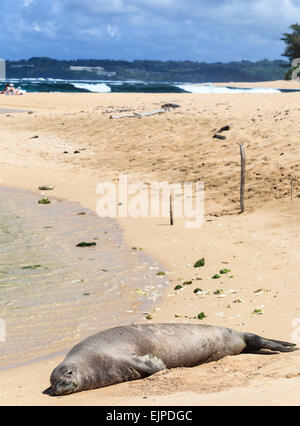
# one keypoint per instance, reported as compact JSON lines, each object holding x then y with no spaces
{"x":197,"y":30}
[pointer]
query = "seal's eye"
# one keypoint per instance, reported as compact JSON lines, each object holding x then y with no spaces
{"x":69,"y":373}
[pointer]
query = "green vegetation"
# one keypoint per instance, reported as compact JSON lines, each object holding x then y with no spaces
{"x":44,"y":201}
{"x":257,"y":311}
{"x":178,"y":287}
{"x":32,"y":267}
{"x":199,"y":263}
{"x":84,"y":244}
{"x":46,"y":188}
{"x":201,"y":316}
{"x":148,"y":70}
{"x":292,"y":50}
{"x":216,"y":276}
{"x":224,"y":271}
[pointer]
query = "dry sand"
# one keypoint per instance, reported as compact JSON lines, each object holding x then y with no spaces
{"x":260,"y":248}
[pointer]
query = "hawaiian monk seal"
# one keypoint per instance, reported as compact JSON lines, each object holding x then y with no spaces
{"x":134,"y":351}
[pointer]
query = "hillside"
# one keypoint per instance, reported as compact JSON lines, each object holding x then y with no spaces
{"x":147,"y":70}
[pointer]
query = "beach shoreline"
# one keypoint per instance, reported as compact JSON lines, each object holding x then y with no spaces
{"x":226,"y":240}
{"x":73,"y":291}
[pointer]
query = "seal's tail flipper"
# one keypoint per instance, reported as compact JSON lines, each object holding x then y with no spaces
{"x":254,"y":343}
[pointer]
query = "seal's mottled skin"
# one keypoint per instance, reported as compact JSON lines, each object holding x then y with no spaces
{"x":132,"y":352}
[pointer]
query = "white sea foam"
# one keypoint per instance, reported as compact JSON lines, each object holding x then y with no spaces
{"x":33,"y":80}
{"x":209,"y":88}
{"x":95,"y":88}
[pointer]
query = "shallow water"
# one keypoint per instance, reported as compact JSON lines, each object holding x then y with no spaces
{"x":52,"y":293}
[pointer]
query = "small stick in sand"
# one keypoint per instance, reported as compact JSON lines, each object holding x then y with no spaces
{"x":242,"y":151}
{"x":292,"y":188}
{"x":171,"y":210}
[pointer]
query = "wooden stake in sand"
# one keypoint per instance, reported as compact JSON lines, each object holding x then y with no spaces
{"x":292,"y":188}
{"x":242,"y":151}
{"x":171,"y":210}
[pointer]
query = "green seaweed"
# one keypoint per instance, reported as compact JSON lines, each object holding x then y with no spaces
{"x":198,"y":290}
{"x":178,"y":287}
{"x":84,"y":244}
{"x":187,"y":282}
{"x":216,"y":276}
{"x":44,"y":201}
{"x":31,"y":267}
{"x":257,"y":311}
{"x":219,"y":291}
{"x":201,"y":316}
{"x":160,"y":273}
{"x":148,"y":317}
{"x":224,"y":271}
{"x":199,"y":263}
{"x":46,"y":188}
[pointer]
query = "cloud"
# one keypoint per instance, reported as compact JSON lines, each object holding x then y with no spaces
{"x":112,"y":30}
{"x":204,"y":30}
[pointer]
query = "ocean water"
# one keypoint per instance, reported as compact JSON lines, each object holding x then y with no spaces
{"x":96,"y":86}
{"x":52,"y":293}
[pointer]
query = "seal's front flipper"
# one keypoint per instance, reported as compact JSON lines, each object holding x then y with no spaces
{"x":254,"y":343}
{"x":148,"y":364}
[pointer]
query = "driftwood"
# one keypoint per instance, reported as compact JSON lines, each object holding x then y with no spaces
{"x":223,"y":129}
{"x":242,"y":152}
{"x":216,"y":136}
{"x":292,"y":188}
{"x":171,"y":210}
{"x":143,"y":114}
{"x":170,"y":106}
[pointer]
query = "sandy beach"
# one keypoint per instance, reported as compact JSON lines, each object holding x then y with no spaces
{"x":70,"y":142}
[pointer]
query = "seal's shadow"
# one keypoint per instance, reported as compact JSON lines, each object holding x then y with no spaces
{"x":259,"y":352}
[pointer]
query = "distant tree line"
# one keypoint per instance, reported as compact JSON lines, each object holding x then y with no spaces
{"x":148,"y":70}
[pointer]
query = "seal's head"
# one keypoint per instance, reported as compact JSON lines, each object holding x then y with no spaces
{"x":65,"y":379}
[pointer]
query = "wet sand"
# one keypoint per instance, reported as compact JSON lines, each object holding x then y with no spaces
{"x":53,"y":293}
{"x":261,"y":247}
